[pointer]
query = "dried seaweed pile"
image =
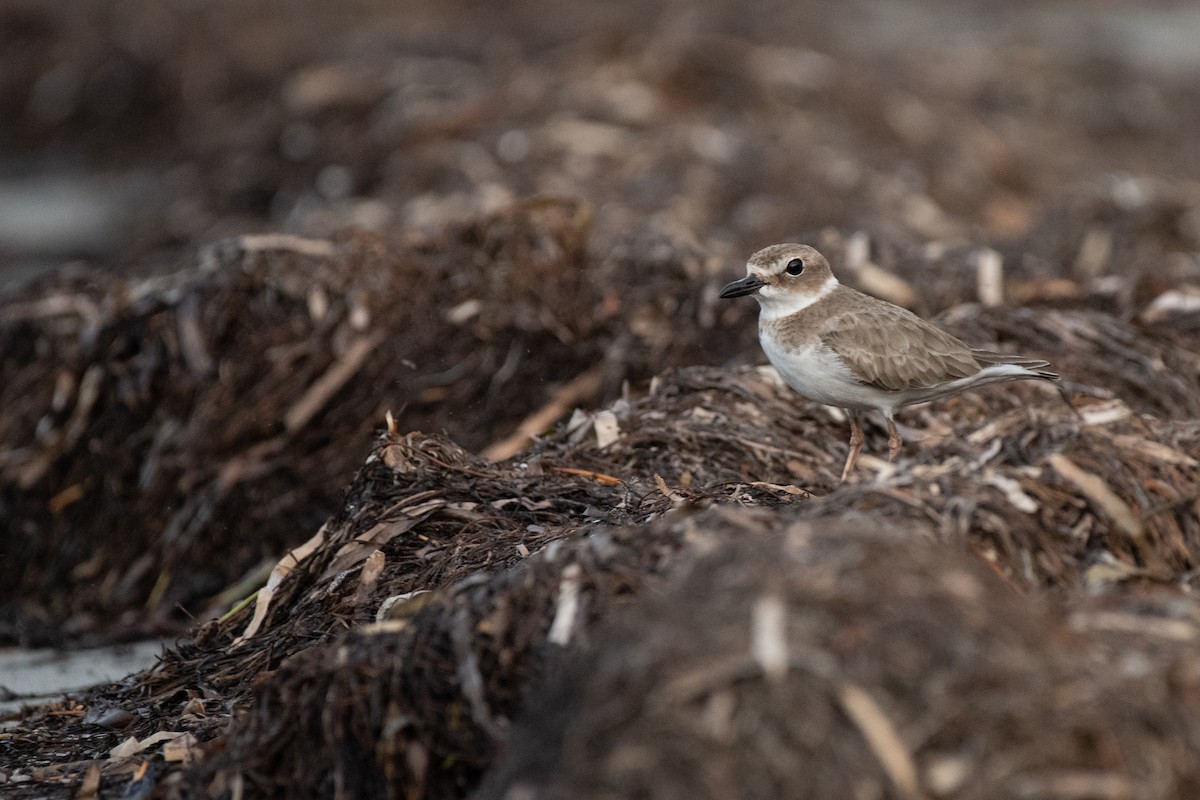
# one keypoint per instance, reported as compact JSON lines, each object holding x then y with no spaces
{"x":423,"y":522}
{"x":226,"y":398}
{"x":859,"y":658}
{"x":730,"y":126}
{"x":397,"y":646}
{"x":1098,"y":495}
{"x":214,"y":415}
{"x":595,"y":552}
{"x":706,"y":411}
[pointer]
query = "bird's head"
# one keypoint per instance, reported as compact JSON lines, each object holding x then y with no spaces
{"x":784,"y":278}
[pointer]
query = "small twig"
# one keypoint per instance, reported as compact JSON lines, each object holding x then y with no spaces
{"x":882,"y":738}
{"x":1098,"y":492}
{"x":666,"y":491}
{"x":599,"y":477}
{"x":325,"y":387}
{"x":582,"y":386}
{"x":257,"y":243}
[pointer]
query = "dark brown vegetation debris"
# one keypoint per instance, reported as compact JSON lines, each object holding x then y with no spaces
{"x":587,"y":548}
{"x":851,"y":657}
{"x":218,"y":400}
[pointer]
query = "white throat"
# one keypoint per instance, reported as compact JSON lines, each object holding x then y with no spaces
{"x":778,"y":303}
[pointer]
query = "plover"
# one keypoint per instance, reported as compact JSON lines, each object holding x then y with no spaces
{"x":843,"y":348}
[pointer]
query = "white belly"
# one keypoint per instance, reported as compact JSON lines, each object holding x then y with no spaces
{"x":817,"y":373}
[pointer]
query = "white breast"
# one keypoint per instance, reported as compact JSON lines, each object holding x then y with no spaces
{"x":817,"y":373}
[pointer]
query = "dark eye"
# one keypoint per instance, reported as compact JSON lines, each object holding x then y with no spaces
{"x":795,"y":267}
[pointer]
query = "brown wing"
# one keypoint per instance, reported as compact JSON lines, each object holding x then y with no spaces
{"x":894,"y":350}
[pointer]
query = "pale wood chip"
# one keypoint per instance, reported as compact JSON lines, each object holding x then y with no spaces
{"x":1012,"y":492}
{"x":132,"y":746}
{"x":997,"y":428}
{"x":258,"y":243}
{"x":608,"y":430}
{"x":183,"y":749}
{"x":89,"y":787}
{"x":1105,"y":413}
{"x":282,"y":569}
{"x":403,"y":606}
{"x":1178,"y":630}
{"x":368,"y":576}
{"x":1098,"y":492}
{"x":1153,"y":450}
{"x":882,"y":738}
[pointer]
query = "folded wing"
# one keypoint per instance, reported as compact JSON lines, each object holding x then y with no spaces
{"x":895,"y":350}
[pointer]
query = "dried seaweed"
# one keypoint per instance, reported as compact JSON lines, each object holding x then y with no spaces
{"x":591,"y":529}
{"x":221,"y":403}
{"x":837,"y":658}
{"x":399,"y":644}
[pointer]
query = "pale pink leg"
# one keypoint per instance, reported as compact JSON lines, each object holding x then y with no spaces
{"x":856,"y":443}
{"x":893,"y":439}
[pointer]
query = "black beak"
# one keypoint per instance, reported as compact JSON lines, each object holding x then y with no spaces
{"x":747,"y":285}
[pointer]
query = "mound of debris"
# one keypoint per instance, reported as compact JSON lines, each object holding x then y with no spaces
{"x":213,"y":416}
{"x":853,"y":657}
{"x":396,"y":646}
{"x":583,"y":488}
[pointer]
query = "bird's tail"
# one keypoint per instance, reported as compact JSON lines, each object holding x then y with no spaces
{"x":1035,"y":366}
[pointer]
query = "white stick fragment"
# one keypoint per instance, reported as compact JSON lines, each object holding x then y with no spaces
{"x":1105,"y":413}
{"x":769,"y":636}
{"x":989,"y":277}
{"x":568,"y":607}
{"x":1154,"y":450}
{"x":1012,"y":492}
{"x":259,"y":243}
{"x":1173,"y":301}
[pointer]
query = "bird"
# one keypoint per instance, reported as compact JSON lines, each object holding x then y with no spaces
{"x":840,"y":347}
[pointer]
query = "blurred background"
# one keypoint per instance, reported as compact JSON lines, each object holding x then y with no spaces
{"x":132,"y":130}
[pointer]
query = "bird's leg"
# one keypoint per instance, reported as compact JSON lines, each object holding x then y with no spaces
{"x":893,"y":439}
{"x":856,"y":443}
